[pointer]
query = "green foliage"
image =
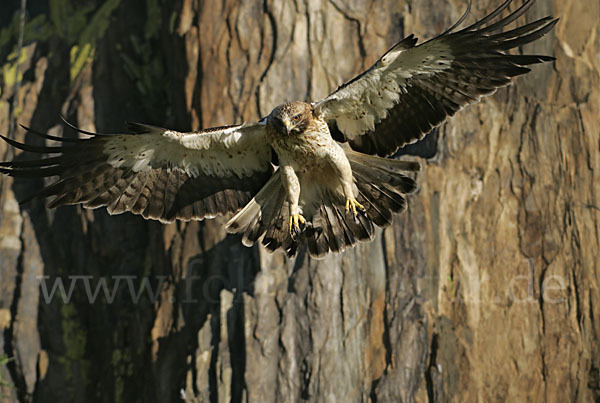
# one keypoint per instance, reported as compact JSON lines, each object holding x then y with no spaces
{"x":9,"y":70}
{"x":67,"y":21}
{"x":145,"y":68}
{"x":4,"y":359}
{"x":123,"y":368}
{"x":80,"y":56}
{"x":74,"y":362}
{"x":153,"y":19}
{"x":35,"y":29}
{"x":81,"y":25}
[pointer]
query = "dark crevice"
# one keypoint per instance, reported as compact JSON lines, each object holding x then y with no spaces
{"x":305,"y":373}
{"x":387,"y":341}
{"x":576,"y":252}
{"x":191,"y":367}
{"x":543,"y":372}
{"x":591,"y":309}
{"x":341,"y":296}
{"x":541,"y":308}
{"x":594,"y":382}
{"x":579,"y":313}
{"x":386,"y":338}
{"x":361,"y":46}
{"x":540,"y":291}
{"x":237,"y":347}
{"x":273,"y":22}
{"x":373,"y":394}
{"x":310,"y":56}
{"x":232,"y":97}
{"x":215,"y":327}
{"x":431,"y":389}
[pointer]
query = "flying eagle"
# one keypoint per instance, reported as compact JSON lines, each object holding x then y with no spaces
{"x":311,"y":174}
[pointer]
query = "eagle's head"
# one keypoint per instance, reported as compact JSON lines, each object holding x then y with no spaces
{"x":290,"y":118}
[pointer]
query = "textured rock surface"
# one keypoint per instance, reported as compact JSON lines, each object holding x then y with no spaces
{"x":486,"y":290}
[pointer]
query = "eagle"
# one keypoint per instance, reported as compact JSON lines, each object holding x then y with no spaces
{"x":314,"y":174}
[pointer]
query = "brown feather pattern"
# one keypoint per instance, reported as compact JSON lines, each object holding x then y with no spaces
{"x":381,"y":183}
{"x":478,"y":67}
{"x":159,"y":193}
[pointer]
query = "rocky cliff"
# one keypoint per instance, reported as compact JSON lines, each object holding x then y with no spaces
{"x":485,"y":290}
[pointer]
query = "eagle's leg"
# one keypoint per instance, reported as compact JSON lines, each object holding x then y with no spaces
{"x":295,"y":221}
{"x":354,"y":205}
{"x":292,"y":187}
{"x":340,"y":163}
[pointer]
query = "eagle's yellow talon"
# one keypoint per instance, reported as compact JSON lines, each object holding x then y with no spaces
{"x":352,"y":204}
{"x":295,"y":221}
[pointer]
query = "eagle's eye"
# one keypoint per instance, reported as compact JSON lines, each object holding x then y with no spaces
{"x":296,"y":118}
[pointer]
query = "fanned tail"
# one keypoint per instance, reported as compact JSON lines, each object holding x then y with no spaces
{"x":381,"y":186}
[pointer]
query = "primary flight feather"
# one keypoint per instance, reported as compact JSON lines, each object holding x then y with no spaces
{"x":332,"y":185}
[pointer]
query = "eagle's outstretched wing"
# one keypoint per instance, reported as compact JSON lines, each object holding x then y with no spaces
{"x":158,"y":173}
{"x":411,"y":89}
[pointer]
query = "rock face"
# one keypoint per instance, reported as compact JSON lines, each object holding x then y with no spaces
{"x":486,"y":290}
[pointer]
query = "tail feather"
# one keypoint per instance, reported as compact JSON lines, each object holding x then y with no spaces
{"x":317,"y":242}
{"x":381,"y":216}
{"x":349,"y":238}
{"x":249,"y":219}
{"x":278,"y":235}
{"x":333,"y":230}
{"x":381,"y":188}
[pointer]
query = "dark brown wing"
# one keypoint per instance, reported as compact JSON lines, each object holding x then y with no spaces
{"x":411,"y":89}
{"x":159,"y":174}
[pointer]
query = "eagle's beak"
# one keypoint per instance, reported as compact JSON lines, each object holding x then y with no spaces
{"x":288,"y":126}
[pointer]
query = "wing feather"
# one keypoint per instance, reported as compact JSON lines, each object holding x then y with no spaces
{"x":413,"y":88}
{"x":158,"y":173}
